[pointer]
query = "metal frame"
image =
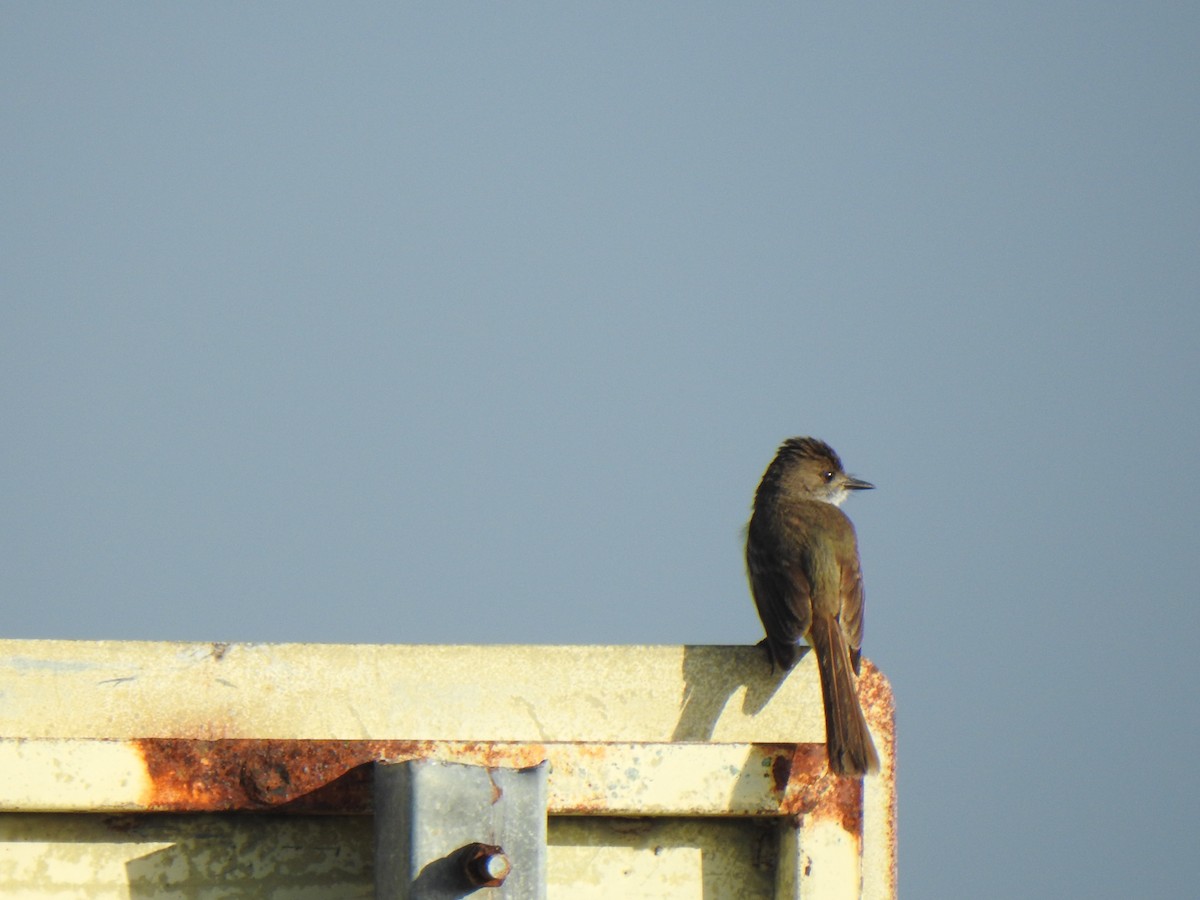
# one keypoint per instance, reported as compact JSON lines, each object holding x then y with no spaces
{"x":718,"y":761}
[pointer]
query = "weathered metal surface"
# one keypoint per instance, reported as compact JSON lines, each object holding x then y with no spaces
{"x":334,"y":777}
{"x":210,"y":857}
{"x":362,"y":692}
{"x":694,"y":741}
{"x":224,"y":856}
{"x":878,"y":843}
{"x":657,"y":858}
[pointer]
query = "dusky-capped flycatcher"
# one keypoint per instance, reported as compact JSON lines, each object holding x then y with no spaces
{"x":802,"y":557}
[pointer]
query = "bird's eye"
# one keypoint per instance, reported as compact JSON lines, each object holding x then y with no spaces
{"x":828,"y":476}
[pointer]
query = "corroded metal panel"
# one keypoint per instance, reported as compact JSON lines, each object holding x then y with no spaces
{"x":333,"y":777}
{"x":675,"y":771}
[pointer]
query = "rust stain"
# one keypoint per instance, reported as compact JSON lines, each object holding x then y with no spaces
{"x":480,"y":753}
{"x":592,"y":752}
{"x":318,"y":776}
{"x":875,"y":693}
{"x":311,"y":776}
{"x":879,"y":705}
{"x":801,"y":773}
{"x":813,"y":792}
{"x":244,"y":774}
{"x":497,"y":791}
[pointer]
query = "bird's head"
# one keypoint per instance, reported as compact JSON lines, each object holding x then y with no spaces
{"x":809,"y":468}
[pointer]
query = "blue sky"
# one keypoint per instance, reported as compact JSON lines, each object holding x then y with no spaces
{"x":475,"y":323}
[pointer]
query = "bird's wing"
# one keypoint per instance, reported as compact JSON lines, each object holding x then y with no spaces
{"x":851,"y":616}
{"x":782,"y":595}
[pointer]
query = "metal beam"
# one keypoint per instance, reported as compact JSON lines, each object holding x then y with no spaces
{"x":297,"y":777}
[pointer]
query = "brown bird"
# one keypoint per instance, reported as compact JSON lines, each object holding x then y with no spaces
{"x":802,"y":556}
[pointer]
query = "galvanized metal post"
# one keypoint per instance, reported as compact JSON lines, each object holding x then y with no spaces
{"x":445,"y":830}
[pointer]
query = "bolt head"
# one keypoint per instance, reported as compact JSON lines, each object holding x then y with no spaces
{"x":497,"y":866}
{"x":485,"y":865}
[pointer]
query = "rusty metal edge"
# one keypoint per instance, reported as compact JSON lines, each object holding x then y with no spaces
{"x":335,"y":776}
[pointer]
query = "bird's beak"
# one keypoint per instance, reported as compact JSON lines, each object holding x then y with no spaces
{"x":857,"y":484}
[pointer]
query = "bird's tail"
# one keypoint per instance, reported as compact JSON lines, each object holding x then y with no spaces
{"x":851,"y":751}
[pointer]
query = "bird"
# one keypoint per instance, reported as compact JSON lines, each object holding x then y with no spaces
{"x":806,"y":579}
